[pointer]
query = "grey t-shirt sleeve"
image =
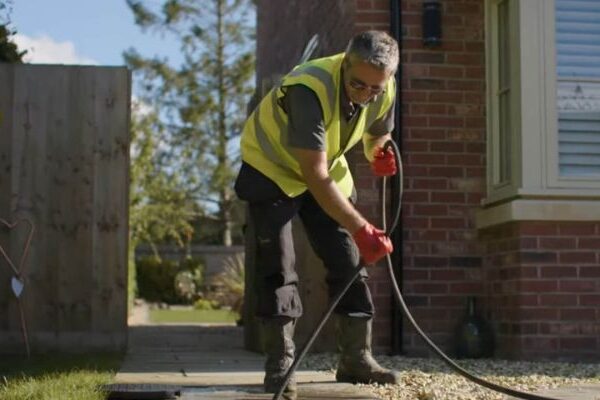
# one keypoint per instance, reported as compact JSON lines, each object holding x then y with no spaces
{"x":306,"y":127}
{"x":385,"y":124}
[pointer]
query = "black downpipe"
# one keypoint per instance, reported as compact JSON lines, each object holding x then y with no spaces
{"x":397,"y":238}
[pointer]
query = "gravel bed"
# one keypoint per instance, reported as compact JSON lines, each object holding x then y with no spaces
{"x":431,"y":379}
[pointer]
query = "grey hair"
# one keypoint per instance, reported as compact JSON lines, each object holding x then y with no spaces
{"x":376,"y":48}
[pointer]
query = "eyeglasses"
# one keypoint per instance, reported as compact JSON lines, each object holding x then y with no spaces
{"x":361,"y":86}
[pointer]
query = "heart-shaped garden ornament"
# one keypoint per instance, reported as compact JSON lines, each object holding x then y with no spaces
{"x":17,"y":286}
{"x":17,"y":282}
{"x":17,"y":269}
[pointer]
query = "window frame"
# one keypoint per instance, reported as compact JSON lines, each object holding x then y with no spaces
{"x":534,"y":115}
{"x":536,"y":190}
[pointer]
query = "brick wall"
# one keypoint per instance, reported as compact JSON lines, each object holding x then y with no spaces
{"x":444,"y":156}
{"x":373,"y":14}
{"x":543,"y":284}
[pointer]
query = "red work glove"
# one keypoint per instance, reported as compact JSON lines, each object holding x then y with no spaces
{"x":384,"y":163}
{"x":372,"y":243}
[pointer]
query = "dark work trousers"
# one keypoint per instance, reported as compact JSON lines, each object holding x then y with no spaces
{"x":276,"y":281}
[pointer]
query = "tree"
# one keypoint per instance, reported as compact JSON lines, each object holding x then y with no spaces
{"x":159,"y":209}
{"x":9,"y":52}
{"x":202,"y":102}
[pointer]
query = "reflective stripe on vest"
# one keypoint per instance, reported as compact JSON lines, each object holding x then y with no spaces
{"x":264,"y":142}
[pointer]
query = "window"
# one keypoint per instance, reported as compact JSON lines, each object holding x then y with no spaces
{"x":578,"y":87}
{"x":501,"y":99}
{"x":543,"y":110}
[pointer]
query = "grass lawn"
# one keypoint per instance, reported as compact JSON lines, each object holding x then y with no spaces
{"x":57,"y":376}
{"x":182,"y":316}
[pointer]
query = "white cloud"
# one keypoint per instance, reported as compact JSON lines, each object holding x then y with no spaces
{"x":45,"y":50}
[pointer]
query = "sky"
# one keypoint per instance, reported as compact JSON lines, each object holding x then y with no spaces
{"x":83,"y":32}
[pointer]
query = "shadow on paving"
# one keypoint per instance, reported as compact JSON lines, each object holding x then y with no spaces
{"x":209,"y":362}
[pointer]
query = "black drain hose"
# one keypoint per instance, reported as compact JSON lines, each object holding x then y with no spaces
{"x":453,"y":365}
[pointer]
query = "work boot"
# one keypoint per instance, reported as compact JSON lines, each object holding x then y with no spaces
{"x":279,"y":348}
{"x":357,"y":364}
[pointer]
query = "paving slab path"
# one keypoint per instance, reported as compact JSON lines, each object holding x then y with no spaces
{"x":209,"y":362}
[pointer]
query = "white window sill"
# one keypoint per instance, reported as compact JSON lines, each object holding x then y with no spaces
{"x":538,"y":210}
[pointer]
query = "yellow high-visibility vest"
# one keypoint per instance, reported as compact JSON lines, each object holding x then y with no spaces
{"x":264,"y":143}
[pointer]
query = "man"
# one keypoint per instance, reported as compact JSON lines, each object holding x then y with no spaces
{"x":293,"y":147}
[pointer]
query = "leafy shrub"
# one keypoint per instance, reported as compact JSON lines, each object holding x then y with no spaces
{"x":169,"y":281}
{"x":205,"y":304}
{"x":228,"y":286}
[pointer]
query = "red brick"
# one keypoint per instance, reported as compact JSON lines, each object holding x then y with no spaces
{"x":446,"y":122}
{"x":427,"y":209}
{"x":426,"y":84}
{"x":589,"y":300}
{"x":588,"y":243}
{"x":447,"y":172}
{"x":538,"y":286}
{"x":557,"y":243}
{"x":414,"y":197}
{"x":478,"y":172}
{"x":415,"y":70}
{"x":446,"y":97}
{"x":577,"y":229}
{"x":475,"y":47}
{"x":538,"y":314}
{"x":427,"y":133}
{"x":414,"y":95}
{"x":425,"y":159}
{"x":558,"y":300}
{"x":465,"y":110}
{"x":463,"y":159}
{"x":465,"y":59}
{"x":579,"y":343}
{"x":448,"y":274}
{"x":430,"y":261}
{"x":462,"y":9}
{"x":540,"y":343}
{"x":411,"y":274}
{"x":578,"y":286}
{"x":429,"y":235}
{"x":372,"y":17}
{"x":410,"y":121}
{"x":428,"y":109}
{"x":558,"y":272}
{"x":577,"y":257}
{"x":415,"y":223}
{"x":427,"y":57}
{"x":427,"y":288}
{"x":475,"y":72}
{"x":448,"y":223}
{"x":446,"y":72}
{"x":474,"y":97}
{"x":364,"y":4}
{"x":475,"y":122}
{"x":447,"y":301}
{"x":577,"y":314}
{"x":452,"y":45}
{"x":589,"y":272}
{"x":412,"y":146}
{"x":447,"y":147}
{"x":447,"y":197}
{"x":430,"y":183}
{"x":538,"y":229}
{"x":527,"y":300}
{"x":383,"y":5}
{"x":466,"y":287}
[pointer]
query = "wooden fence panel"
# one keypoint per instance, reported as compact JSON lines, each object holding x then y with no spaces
{"x":64,"y":137}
